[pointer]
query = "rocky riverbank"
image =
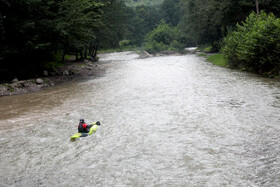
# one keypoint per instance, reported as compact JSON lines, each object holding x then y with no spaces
{"x":70,"y":71}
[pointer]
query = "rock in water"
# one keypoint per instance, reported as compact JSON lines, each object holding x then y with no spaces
{"x":65,"y":72}
{"x":145,"y":54}
{"x":39,"y":81}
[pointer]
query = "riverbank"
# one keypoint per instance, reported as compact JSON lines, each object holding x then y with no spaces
{"x":69,"y":72}
{"x":219,"y":60}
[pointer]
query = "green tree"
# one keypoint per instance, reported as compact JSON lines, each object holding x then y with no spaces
{"x":113,"y":19}
{"x":170,"y":11}
{"x":32,"y":32}
{"x":77,"y":22}
{"x":209,"y":21}
{"x":142,"y":21}
{"x":27,"y":36}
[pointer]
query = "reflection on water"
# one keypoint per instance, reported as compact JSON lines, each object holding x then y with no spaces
{"x":166,"y":121}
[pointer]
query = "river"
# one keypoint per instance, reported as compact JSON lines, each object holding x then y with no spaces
{"x":165,"y":121}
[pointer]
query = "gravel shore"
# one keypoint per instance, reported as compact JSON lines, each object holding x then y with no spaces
{"x":70,"y":71}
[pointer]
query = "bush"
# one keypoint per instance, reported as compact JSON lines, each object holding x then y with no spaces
{"x":154,"y":47}
{"x":124,"y":43}
{"x":255,"y":45}
{"x":162,"y":38}
{"x":175,"y":46}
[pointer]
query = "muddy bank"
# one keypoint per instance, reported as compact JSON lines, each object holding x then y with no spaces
{"x":70,"y":71}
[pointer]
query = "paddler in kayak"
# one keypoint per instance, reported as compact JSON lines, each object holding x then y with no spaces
{"x":84,"y":128}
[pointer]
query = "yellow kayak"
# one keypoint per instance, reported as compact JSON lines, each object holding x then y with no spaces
{"x":92,"y":130}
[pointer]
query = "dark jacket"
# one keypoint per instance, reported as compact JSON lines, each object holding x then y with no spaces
{"x":82,"y":127}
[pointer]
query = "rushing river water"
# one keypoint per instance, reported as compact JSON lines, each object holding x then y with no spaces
{"x":165,"y":121}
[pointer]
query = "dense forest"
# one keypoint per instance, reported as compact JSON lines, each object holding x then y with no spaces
{"x":37,"y":34}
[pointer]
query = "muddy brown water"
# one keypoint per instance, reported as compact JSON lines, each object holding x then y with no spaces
{"x":166,"y":121}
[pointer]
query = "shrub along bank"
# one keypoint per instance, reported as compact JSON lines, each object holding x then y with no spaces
{"x":163,"y":38}
{"x":255,"y":45}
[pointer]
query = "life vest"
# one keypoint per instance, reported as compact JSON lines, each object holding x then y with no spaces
{"x":82,"y":127}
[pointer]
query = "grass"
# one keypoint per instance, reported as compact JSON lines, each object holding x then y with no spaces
{"x":217,"y":59}
{"x":204,"y":48}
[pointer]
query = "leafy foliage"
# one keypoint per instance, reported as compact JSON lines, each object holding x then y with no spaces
{"x":170,"y":11}
{"x":164,"y":37}
{"x":255,"y":45}
{"x":140,"y":20}
{"x":77,"y":22}
{"x":113,"y":20}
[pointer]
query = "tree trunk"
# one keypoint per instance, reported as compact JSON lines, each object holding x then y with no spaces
{"x":86,"y":48}
{"x":257,"y":7}
{"x":91,"y":49}
{"x":81,"y":53}
{"x":63,"y":55}
{"x":76,"y":54}
{"x":95,"y":51}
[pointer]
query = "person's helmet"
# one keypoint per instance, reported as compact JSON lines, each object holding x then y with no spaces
{"x":82,"y":121}
{"x":98,"y":123}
